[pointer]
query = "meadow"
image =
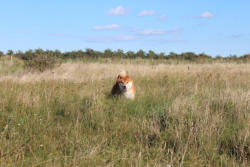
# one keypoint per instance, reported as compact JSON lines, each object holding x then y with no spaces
{"x":184,"y":114}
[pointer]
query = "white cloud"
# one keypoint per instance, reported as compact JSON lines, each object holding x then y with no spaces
{"x":125,"y":38}
{"x":107,"y":27}
{"x":158,"y":31}
{"x":146,"y":13}
{"x":175,"y":31}
{"x":174,"y":40}
{"x":237,"y":35}
{"x":163,"y":17}
{"x":151,"y":32}
{"x":64,"y":35}
{"x":118,"y":11}
{"x":206,"y":15}
{"x":111,"y":39}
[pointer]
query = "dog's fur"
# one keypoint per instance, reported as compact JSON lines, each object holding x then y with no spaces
{"x":124,"y":86}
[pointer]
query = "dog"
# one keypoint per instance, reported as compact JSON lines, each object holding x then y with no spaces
{"x":124,"y":86}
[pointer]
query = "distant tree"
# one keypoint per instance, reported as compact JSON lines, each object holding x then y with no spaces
{"x":19,"y":54}
{"x":119,"y":54}
{"x":140,"y":54}
{"x":38,"y":52}
{"x":218,"y":57}
{"x":10,"y":53}
{"x":108,"y":53}
{"x":232,"y":57}
{"x":99,"y":54}
{"x":57,"y":54}
{"x":28,"y":55}
{"x":162,"y":55}
{"x":66,"y":55}
{"x":49,"y":52}
{"x":130,"y":55}
{"x":188,"y":56}
{"x":89,"y":52}
{"x":151,"y":55}
{"x":74,"y":54}
{"x":173,"y":55}
{"x":247,"y":56}
{"x":1,"y":54}
{"x":204,"y":56}
{"x":70,"y":55}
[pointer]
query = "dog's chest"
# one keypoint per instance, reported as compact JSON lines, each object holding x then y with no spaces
{"x":129,"y":93}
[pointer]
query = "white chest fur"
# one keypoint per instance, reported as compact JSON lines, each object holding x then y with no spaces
{"x":129,"y":93}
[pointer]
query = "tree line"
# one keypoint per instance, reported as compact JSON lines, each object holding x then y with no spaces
{"x":119,"y":54}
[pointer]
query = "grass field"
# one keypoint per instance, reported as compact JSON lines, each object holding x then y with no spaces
{"x":183,"y":115}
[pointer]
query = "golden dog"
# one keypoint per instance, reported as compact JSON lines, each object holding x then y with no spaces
{"x":124,"y":86}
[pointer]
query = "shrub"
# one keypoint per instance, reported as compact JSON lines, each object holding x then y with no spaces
{"x":41,"y":63}
{"x":1,"y":54}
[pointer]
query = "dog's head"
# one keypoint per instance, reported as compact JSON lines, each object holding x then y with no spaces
{"x":124,"y":82}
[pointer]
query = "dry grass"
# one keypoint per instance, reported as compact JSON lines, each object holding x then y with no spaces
{"x":8,"y":66}
{"x":80,"y":72}
{"x":183,"y":115}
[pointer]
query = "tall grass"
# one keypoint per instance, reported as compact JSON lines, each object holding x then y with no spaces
{"x":183,"y":115}
{"x":10,"y":65}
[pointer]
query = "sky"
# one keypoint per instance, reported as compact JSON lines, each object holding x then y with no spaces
{"x":214,"y":27}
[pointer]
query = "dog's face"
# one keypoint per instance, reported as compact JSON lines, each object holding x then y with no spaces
{"x":123,"y":82}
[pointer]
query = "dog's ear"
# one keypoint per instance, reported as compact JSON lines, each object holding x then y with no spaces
{"x":123,"y":73}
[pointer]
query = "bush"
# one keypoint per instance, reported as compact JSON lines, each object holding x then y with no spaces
{"x":41,"y":63}
{"x":1,"y":54}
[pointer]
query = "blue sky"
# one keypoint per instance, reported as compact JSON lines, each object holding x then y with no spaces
{"x":215,"y":27}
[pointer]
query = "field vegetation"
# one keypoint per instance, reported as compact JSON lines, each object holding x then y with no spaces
{"x":58,"y":112}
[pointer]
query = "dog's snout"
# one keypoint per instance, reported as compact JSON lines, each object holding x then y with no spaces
{"x":122,"y":87}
